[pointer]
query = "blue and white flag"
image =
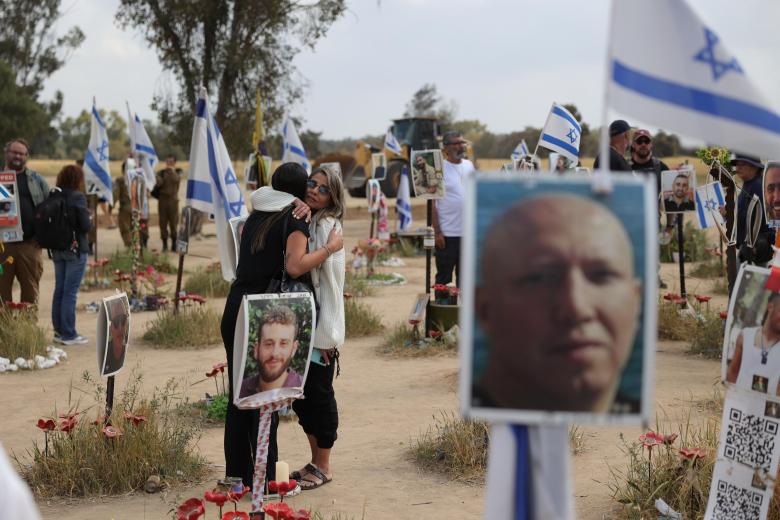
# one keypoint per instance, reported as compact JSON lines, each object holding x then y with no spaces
{"x":391,"y":143}
{"x":97,"y":174}
{"x":709,"y":199}
{"x":688,"y":82}
{"x":292,"y":148}
{"x":561,"y":133}
{"x":403,"y":201}
{"x":4,"y":194}
{"x":142,"y":147}
{"x":521,"y":150}
{"x":212,"y":186}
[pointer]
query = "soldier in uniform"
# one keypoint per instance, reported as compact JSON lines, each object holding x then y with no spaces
{"x":168,"y":206}
{"x":125,"y":206}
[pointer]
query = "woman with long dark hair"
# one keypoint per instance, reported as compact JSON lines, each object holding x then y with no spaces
{"x":70,"y":263}
{"x":259,"y":260}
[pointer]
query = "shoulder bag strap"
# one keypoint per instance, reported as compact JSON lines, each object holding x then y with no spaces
{"x":284,"y":247}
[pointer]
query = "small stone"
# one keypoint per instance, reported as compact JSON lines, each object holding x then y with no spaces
{"x":153,"y":484}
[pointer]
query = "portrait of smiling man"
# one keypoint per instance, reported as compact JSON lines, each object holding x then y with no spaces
{"x":559,"y":303}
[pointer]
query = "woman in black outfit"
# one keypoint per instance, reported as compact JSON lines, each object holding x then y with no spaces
{"x":260,"y":258}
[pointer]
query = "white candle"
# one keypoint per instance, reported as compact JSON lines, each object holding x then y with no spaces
{"x":282,"y":471}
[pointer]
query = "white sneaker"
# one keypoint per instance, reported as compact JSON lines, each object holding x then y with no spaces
{"x":78,"y":340}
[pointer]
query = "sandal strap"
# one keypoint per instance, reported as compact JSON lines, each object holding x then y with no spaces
{"x":314,"y":470}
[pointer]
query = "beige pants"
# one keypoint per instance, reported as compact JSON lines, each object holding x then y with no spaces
{"x":27,"y":267}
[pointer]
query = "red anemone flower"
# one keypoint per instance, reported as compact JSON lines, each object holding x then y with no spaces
{"x":277,"y":510}
{"x":136,"y":419}
{"x":414,"y":322}
{"x":236,"y":496}
{"x":111,"y":432}
{"x":435,"y":333}
{"x":680,"y":300}
{"x":300,"y":514}
{"x":272,"y":487}
{"x":651,"y":439}
{"x":236,"y":515}
{"x":702,"y":299}
{"x":197,"y":298}
{"x":440,"y":287}
{"x":671,"y":296}
{"x":692,"y":453}
{"x":191,"y":509}
{"x":669,"y":439}
{"x":47,"y":424}
{"x":216,"y":497}
{"x":723,"y":315}
{"x":68,"y":424}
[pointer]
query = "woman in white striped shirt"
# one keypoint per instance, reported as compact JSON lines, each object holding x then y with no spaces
{"x":317,"y":412}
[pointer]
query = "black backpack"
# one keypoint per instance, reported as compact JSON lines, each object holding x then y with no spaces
{"x":53,"y":228}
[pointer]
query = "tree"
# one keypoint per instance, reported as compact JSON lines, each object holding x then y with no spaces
{"x":22,"y":115}
{"x":232,"y":47}
{"x":74,"y":133}
{"x":427,"y":102}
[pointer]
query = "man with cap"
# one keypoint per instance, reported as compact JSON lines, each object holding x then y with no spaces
{"x":619,"y":139}
{"x":642,"y":158}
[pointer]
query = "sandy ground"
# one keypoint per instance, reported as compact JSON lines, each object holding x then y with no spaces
{"x":384,"y":404}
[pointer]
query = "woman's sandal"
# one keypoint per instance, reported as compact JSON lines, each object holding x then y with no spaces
{"x":315,"y":472}
{"x":298,"y":475}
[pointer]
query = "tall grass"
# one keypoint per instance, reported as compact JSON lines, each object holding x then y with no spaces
{"x":671,"y":324}
{"x":123,"y":260}
{"x":20,"y":335}
{"x":192,"y":327}
{"x":360,"y":319}
{"x":454,"y":446}
{"x":207,"y":282}
{"x":707,"y":335}
{"x":85,"y":462}
{"x":402,"y":341}
{"x":358,"y":285}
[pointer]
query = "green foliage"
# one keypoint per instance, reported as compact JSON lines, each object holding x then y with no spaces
{"x":207,"y":282}
{"x":709,"y":268}
{"x":74,"y":133}
{"x":20,"y":335}
{"x":707,"y":335}
{"x":23,"y":116}
{"x":302,"y":311}
{"x":427,"y":102}
{"x":193,"y":327}
{"x":454,"y":446}
{"x":216,"y":409}
{"x":85,"y":462}
{"x":232,"y":48}
{"x":360,"y":319}
{"x":694,"y":243}
{"x":123,"y":260}
{"x":406,"y":341}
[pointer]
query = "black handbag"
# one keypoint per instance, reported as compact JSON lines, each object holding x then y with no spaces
{"x":282,"y":283}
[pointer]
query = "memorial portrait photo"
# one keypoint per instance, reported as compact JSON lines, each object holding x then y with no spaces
{"x":677,"y":190}
{"x":427,"y":174}
{"x":559,"y":323}
{"x":113,"y":334}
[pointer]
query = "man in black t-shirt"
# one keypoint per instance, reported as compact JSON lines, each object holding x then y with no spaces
{"x":619,"y":137}
{"x":642,"y":159}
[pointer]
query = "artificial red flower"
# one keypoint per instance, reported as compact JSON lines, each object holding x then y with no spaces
{"x":693,"y":453}
{"x":277,"y":510}
{"x":680,"y":300}
{"x":18,"y":306}
{"x":197,"y":298}
{"x":701,"y":298}
{"x":136,"y":419}
{"x":347,"y":295}
{"x":651,"y":439}
{"x":236,"y":496}
{"x":300,"y":514}
{"x":435,"y":333}
{"x":236,"y":515}
{"x":440,"y":287}
{"x":454,"y":291}
{"x":216,"y":497}
{"x":669,"y":439}
{"x":47,"y":424}
{"x":100,"y":420}
{"x":111,"y":431}
{"x":723,"y":315}
{"x":68,"y":424}
{"x":191,"y":509}
{"x":216,"y":369}
{"x":414,"y":322}
{"x":671,"y":296}
{"x":272,"y":487}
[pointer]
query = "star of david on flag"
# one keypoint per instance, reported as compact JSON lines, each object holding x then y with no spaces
{"x":212,"y":186}
{"x":709,"y":198}
{"x":97,"y":174}
{"x":690,"y":84}
{"x":561,"y":133}
{"x":142,"y":147}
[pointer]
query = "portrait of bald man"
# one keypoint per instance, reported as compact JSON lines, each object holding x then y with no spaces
{"x":558,"y":299}
{"x":772,"y":194}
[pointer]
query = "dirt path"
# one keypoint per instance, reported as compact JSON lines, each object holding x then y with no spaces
{"x":384,"y":404}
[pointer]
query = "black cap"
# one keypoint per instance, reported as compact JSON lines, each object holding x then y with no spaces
{"x":752,"y":161}
{"x":618,"y":127}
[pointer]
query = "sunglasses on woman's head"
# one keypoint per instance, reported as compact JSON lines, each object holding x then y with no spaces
{"x":323,"y":189}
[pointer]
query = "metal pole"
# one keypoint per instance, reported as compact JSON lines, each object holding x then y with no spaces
{"x":429,"y":221}
{"x":109,"y":398}
{"x":178,"y":285}
{"x":681,"y":255}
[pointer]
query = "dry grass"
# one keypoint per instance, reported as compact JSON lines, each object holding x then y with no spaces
{"x":192,"y":327}
{"x":671,"y":324}
{"x":721,"y":286}
{"x":707,"y":335}
{"x":710,"y":268}
{"x":20,"y":335}
{"x":454,"y":446}
{"x":576,"y":439}
{"x":402,"y":342}
{"x":84,"y":462}
{"x":207,"y":282}
{"x":358,"y":285}
{"x":360,"y":319}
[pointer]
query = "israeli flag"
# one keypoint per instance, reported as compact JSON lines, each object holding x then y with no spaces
{"x":403,"y":201}
{"x":142,"y":148}
{"x":212,"y":186}
{"x":521,"y":150}
{"x":688,"y":82}
{"x":292,"y":148}
{"x":709,"y":198}
{"x":561,"y":133}
{"x":4,"y":194}
{"x":96,"y":170}
{"x":392,"y":144}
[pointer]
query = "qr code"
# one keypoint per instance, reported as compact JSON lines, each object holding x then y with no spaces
{"x":736,"y":503}
{"x":750,"y":439}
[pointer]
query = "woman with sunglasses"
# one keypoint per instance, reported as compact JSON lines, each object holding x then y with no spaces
{"x":317,"y":413}
{"x":259,"y":260}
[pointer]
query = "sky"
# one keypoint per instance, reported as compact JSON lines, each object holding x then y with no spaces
{"x":500,"y":61}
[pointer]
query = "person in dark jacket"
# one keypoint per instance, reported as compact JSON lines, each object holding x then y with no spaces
{"x":69,"y":264}
{"x":750,"y":171}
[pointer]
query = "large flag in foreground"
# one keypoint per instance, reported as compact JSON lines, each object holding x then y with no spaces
{"x":292,"y":148}
{"x":212,"y":186}
{"x":686,"y":81}
{"x":521,"y":150}
{"x":561,"y":133}
{"x":96,"y":171}
{"x":403,"y":201}
{"x":142,"y":147}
